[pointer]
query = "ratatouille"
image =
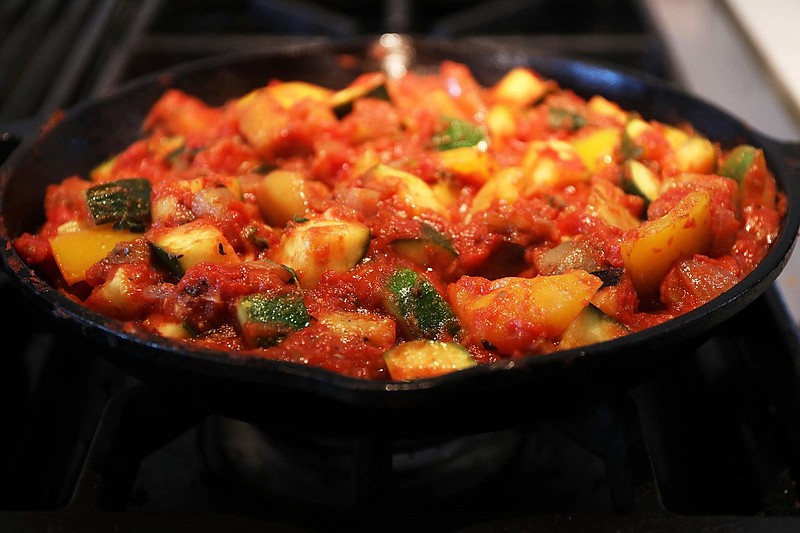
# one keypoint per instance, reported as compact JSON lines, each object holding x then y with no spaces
{"x":405,"y":228}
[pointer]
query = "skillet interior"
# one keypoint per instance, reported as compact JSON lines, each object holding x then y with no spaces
{"x":248,"y":388}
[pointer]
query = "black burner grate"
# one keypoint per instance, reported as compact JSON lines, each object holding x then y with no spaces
{"x":55,"y":54}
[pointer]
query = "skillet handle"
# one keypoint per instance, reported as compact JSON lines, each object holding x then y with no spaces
{"x":13,"y":133}
{"x":788,"y":153}
{"x":792,"y":158}
{"x":8,"y":142}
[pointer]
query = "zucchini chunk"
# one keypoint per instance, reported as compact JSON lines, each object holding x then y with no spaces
{"x":643,"y":140}
{"x":635,"y":130}
{"x":640,"y":180}
{"x":103,"y":172}
{"x":421,"y":312}
{"x":182,"y":247}
{"x":501,"y":123}
{"x":469,"y":162}
{"x":589,"y":327}
{"x":607,"y":108}
{"x":598,"y":148}
{"x":458,"y":133}
{"x":314,"y":247}
{"x":566,"y":256}
{"x":372,"y":85}
{"x":552,"y":163}
{"x":738,"y":162}
{"x":171,"y":330}
{"x":424,"y":358}
{"x":267,"y":319}
{"x":429,"y":249}
{"x":605,"y":201}
{"x":120,"y":296}
{"x":505,"y":186}
{"x":369,"y":328}
{"x":564,"y":119}
{"x":125,"y":202}
{"x":650,"y":250}
{"x":290,"y":93}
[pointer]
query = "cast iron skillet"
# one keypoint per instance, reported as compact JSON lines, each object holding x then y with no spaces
{"x":286,"y":394}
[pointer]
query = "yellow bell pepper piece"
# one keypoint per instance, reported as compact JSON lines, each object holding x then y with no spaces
{"x":597,"y":148}
{"x":289,"y":93}
{"x":519,"y":87}
{"x":501,"y":121}
{"x":505,"y":186}
{"x":605,"y":107}
{"x":76,"y":251}
{"x":552,"y":163}
{"x":649,"y":252}
{"x":510,"y":313}
{"x":674,"y":136}
{"x":469,"y":162}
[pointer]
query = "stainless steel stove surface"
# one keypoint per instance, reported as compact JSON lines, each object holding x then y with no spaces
{"x":710,"y":443}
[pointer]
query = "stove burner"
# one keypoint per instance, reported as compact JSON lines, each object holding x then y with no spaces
{"x":581,"y":463}
{"x":337,"y":472}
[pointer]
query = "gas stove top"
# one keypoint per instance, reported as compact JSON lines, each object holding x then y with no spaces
{"x":55,"y":54}
{"x":710,"y":443}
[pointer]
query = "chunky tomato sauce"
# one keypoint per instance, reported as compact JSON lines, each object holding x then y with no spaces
{"x":405,"y":228}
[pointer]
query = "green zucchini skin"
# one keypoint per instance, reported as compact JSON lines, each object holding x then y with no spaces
{"x":591,"y":326}
{"x":267,"y":319}
{"x":738,"y":162}
{"x":628,"y":146}
{"x":180,"y":247}
{"x":641,"y":181}
{"x":563,"y":119}
{"x":430,"y":249}
{"x":421,"y":312}
{"x":124,"y":202}
{"x":171,"y":261}
{"x":379,"y":93}
{"x":458,"y":133}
